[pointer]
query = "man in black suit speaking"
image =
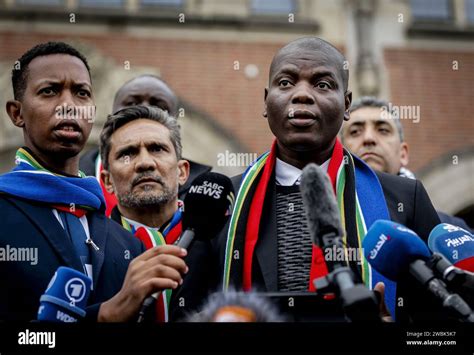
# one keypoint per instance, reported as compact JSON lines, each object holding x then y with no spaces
{"x":49,"y":206}
{"x":306,"y":101}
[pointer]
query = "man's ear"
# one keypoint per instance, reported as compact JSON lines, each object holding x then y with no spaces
{"x":13,"y":108}
{"x":404,"y":159}
{"x":347,"y":103}
{"x":183,"y":171}
{"x":265,"y":101}
{"x":106,"y":179}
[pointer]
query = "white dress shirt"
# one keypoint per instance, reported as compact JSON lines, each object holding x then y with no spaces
{"x":289,"y":175}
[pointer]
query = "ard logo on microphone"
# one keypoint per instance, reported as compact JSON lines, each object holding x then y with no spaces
{"x":75,"y":290}
{"x":211,"y":189}
{"x":380,"y":243}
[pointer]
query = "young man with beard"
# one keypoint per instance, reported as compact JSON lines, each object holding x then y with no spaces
{"x":306,"y":101}
{"x":141,"y":153}
{"x":49,"y":205}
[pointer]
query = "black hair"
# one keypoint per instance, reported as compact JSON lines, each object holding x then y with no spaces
{"x":314,"y":44}
{"x":20,"y":72}
{"x":128,"y":114}
{"x":371,"y":101}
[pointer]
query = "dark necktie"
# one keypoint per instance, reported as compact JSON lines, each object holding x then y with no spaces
{"x":76,"y":232}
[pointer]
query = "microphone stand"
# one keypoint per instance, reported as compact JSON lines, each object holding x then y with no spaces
{"x":452,"y":302}
{"x":358,"y":302}
{"x":453,"y":275}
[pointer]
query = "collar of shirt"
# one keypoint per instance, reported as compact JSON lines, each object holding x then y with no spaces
{"x":289,"y":175}
{"x":135,"y":225}
{"x":83,"y":220}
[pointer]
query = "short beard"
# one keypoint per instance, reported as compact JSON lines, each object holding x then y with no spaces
{"x":147,"y":200}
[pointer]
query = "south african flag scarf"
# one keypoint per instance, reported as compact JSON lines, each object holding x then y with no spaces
{"x":152,"y":237}
{"x":32,"y":181}
{"x":361,"y":202}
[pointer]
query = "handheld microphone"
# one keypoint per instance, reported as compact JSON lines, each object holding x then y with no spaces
{"x":453,"y":258}
{"x":207,"y":206}
{"x":322,"y":212}
{"x":394,"y":250}
{"x":455,"y":244}
{"x":326,"y":232}
{"x":65,"y":297}
{"x":390,"y":247}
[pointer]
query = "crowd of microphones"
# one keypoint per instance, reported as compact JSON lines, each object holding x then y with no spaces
{"x":444,"y":268}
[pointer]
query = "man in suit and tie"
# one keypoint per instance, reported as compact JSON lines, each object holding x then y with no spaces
{"x":49,"y":205}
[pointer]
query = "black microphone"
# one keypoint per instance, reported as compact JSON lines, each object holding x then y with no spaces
{"x":359,"y":303}
{"x":207,"y":207}
{"x":460,"y":281}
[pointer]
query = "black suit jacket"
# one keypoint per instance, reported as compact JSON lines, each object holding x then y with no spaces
{"x":29,"y":225}
{"x":455,"y":221}
{"x":408,"y":204}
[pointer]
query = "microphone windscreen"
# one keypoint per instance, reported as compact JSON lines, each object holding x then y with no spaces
{"x":208,"y":204}
{"x":455,"y":244}
{"x":390,"y":247}
{"x":319,"y":203}
{"x":237,"y":306}
{"x":65,"y":297}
